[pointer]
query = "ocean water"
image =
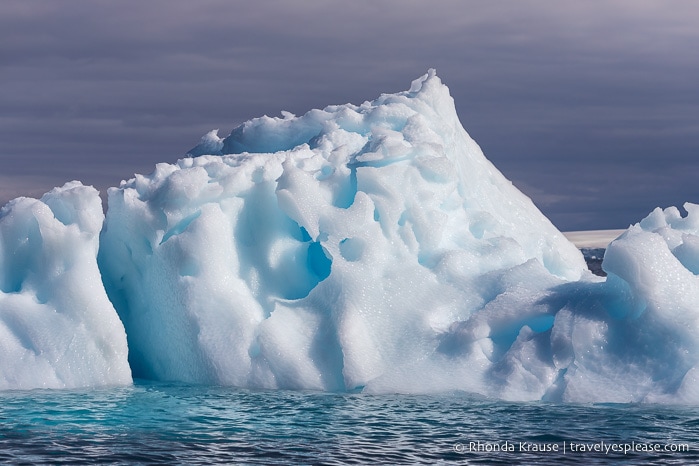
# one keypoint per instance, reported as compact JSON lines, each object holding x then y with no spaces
{"x":151,"y":423}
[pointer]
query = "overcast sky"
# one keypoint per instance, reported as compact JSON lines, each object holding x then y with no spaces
{"x":590,"y":107}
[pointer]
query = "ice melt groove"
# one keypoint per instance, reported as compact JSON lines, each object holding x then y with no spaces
{"x":355,"y":248}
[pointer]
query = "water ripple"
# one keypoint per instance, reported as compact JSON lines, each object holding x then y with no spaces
{"x":170,"y":423}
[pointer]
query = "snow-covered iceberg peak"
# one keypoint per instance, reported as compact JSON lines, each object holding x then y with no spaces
{"x":57,"y":326}
{"x":328,"y":251}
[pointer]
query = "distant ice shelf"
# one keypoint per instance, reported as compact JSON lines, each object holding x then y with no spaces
{"x":592,"y":239}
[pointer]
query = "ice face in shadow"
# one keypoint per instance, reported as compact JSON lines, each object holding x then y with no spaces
{"x":331,"y":251}
{"x":57,"y":326}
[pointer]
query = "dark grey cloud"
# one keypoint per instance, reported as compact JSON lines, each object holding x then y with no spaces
{"x":592,"y":108}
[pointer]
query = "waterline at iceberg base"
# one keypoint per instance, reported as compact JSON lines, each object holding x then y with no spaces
{"x":368,"y":248}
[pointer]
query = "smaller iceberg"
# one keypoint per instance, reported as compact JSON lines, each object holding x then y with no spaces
{"x":652,"y":286}
{"x":58,"y":329}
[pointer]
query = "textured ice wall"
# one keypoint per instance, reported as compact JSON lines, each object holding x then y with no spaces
{"x":330,"y":251}
{"x":57,"y":326}
{"x":367,"y":247}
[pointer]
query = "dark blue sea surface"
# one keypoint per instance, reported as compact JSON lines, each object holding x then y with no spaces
{"x":173,"y":424}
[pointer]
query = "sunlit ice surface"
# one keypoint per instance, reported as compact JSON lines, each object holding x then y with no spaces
{"x":359,"y":248}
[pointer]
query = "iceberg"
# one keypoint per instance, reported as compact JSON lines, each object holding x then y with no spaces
{"x":361,"y":248}
{"x":58,"y":329}
{"x":327,"y":251}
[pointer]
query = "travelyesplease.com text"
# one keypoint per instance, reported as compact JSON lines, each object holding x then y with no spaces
{"x":570,"y":447}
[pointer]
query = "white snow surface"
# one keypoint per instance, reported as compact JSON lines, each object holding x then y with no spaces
{"x":58,"y":329}
{"x":356,"y":248}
